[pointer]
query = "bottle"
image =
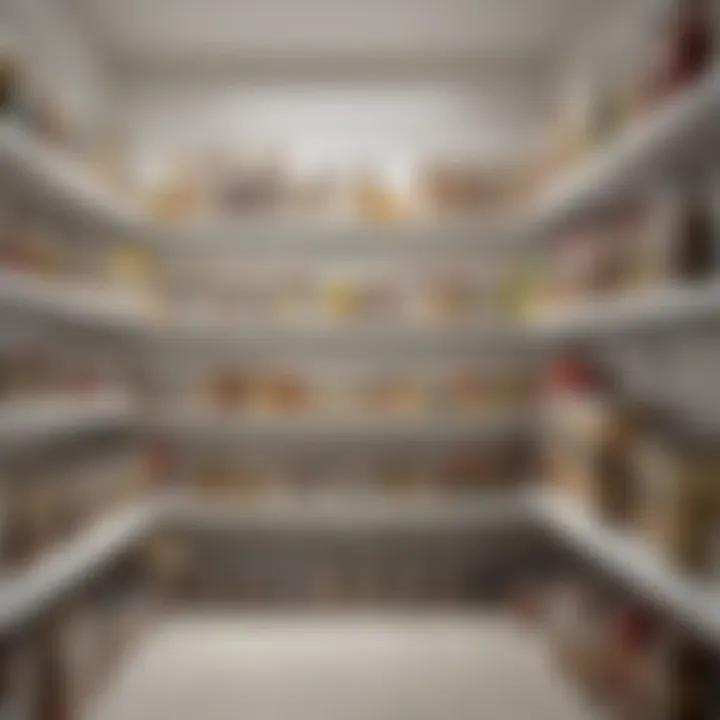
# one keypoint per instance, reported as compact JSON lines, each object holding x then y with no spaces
{"x":8,"y":80}
{"x":687,"y":46}
{"x":11,"y":73}
{"x":692,"y":677}
{"x":693,"y":46}
{"x":633,"y":640}
{"x":694,"y":254}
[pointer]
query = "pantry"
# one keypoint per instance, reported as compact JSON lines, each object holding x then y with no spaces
{"x":368,"y":355}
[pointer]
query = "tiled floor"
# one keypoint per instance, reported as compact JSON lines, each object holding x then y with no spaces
{"x":339,"y":667}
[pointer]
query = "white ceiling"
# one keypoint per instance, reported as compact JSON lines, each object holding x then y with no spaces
{"x":189,"y":34}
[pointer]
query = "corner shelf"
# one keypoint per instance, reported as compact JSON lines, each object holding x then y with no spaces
{"x":62,"y":570}
{"x":652,"y":150}
{"x":692,"y":601}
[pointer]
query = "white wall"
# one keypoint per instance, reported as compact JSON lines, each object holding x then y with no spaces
{"x":334,"y":124}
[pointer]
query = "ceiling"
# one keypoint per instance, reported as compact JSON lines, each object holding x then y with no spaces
{"x":181,"y":36}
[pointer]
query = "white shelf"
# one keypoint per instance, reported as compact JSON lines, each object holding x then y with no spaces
{"x":678,"y":135}
{"x":330,"y":337}
{"x":360,"y":512}
{"x":306,"y":238}
{"x":27,"y":421}
{"x":695,"y":602}
{"x":126,"y":311}
{"x":81,"y":303}
{"x":639,"y":311}
{"x":329,"y":430}
{"x":27,"y":595}
{"x":61,"y":178}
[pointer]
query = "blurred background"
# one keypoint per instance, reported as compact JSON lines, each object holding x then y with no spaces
{"x":359,"y":360}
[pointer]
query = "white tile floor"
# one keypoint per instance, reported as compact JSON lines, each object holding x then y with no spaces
{"x":339,"y":667}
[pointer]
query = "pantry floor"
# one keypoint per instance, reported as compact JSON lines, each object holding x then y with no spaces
{"x":339,"y":667}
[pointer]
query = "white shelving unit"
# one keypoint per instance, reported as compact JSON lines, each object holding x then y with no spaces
{"x":467,"y":75}
{"x":652,"y":149}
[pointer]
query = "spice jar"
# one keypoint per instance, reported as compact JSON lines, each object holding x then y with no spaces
{"x":578,"y":415}
{"x":679,"y":505}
